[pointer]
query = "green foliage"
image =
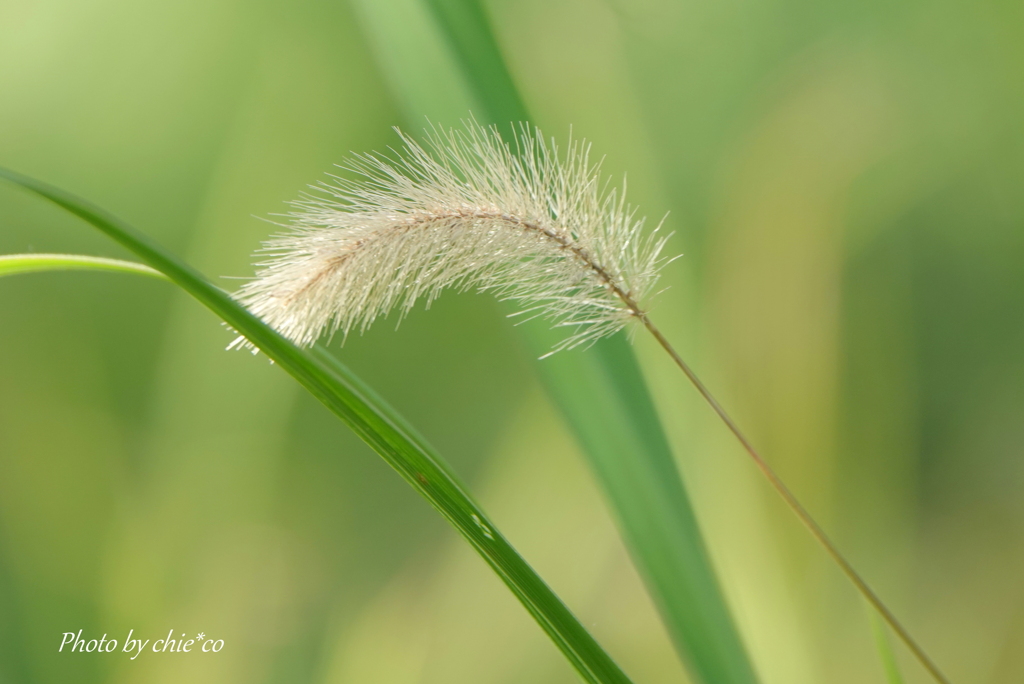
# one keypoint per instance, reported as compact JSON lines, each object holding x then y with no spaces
{"x":843,"y":178}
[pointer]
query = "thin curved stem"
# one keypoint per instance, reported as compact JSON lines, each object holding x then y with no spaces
{"x":795,"y":504}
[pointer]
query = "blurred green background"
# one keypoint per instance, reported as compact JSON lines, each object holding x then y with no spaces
{"x":846,"y":181}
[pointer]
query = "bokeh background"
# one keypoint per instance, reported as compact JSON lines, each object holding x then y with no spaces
{"x":845,"y":179}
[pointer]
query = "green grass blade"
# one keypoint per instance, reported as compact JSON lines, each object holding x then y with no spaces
{"x":470,"y":38}
{"x":884,"y":646}
{"x":11,"y":264}
{"x":377,"y":424}
{"x":601,"y":390}
{"x":603,"y":396}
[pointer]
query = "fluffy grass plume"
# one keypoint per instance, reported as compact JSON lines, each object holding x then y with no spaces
{"x":465,"y":211}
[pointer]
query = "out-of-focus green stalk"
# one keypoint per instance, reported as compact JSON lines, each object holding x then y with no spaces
{"x":885,"y":652}
{"x":600,"y":391}
{"x":373,"y":420}
{"x":11,"y":264}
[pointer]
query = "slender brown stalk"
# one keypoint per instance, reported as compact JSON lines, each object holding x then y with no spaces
{"x":796,"y":506}
{"x":767,"y":470}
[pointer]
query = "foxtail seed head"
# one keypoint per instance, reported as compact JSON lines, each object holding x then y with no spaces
{"x":466,"y":211}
